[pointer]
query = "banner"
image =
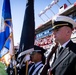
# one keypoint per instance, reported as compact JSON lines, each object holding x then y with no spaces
{"x":6,"y":30}
{"x":28,"y":30}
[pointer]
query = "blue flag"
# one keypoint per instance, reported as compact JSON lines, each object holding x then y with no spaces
{"x":5,"y":28}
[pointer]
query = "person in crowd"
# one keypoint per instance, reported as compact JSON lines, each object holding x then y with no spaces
{"x":37,"y":61}
{"x":64,"y":62}
{"x":38,"y":58}
{"x":11,"y":68}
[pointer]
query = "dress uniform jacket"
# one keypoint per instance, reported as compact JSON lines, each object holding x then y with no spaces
{"x":22,"y":71}
{"x":34,"y":71}
{"x":65,"y":64}
{"x":35,"y":68}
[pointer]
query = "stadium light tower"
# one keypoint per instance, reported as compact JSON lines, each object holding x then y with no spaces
{"x":54,"y":2}
{"x":41,"y":15}
{"x":52,"y":11}
{"x":45,"y":13}
{"x":41,"y":18}
{"x":69,"y":2}
{"x":48,"y":8}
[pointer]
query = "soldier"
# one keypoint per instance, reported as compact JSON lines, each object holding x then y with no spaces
{"x":65,"y":55}
{"x":38,"y":59}
{"x":11,"y":69}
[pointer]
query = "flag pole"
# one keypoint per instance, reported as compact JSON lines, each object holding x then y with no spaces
{"x":11,"y":35}
{"x":8,"y":32}
{"x":28,"y":32}
{"x":26,"y":68}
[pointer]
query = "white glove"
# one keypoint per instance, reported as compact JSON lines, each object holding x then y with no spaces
{"x":14,"y":62}
{"x":18,"y":66}
{"x":27,"y":58}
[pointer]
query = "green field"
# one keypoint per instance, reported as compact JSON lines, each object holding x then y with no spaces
{"x":2,"y":69}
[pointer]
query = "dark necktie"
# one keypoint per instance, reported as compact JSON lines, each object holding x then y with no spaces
{"x":32,"y":69}
{"x":60,"y":49}
{"x":58,"y":52}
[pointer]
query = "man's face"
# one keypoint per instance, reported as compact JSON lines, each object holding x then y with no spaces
{"x":35,"y":57}
{"x":60,"y":34}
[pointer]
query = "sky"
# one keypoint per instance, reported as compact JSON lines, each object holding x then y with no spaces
{"x":18,"y":11}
